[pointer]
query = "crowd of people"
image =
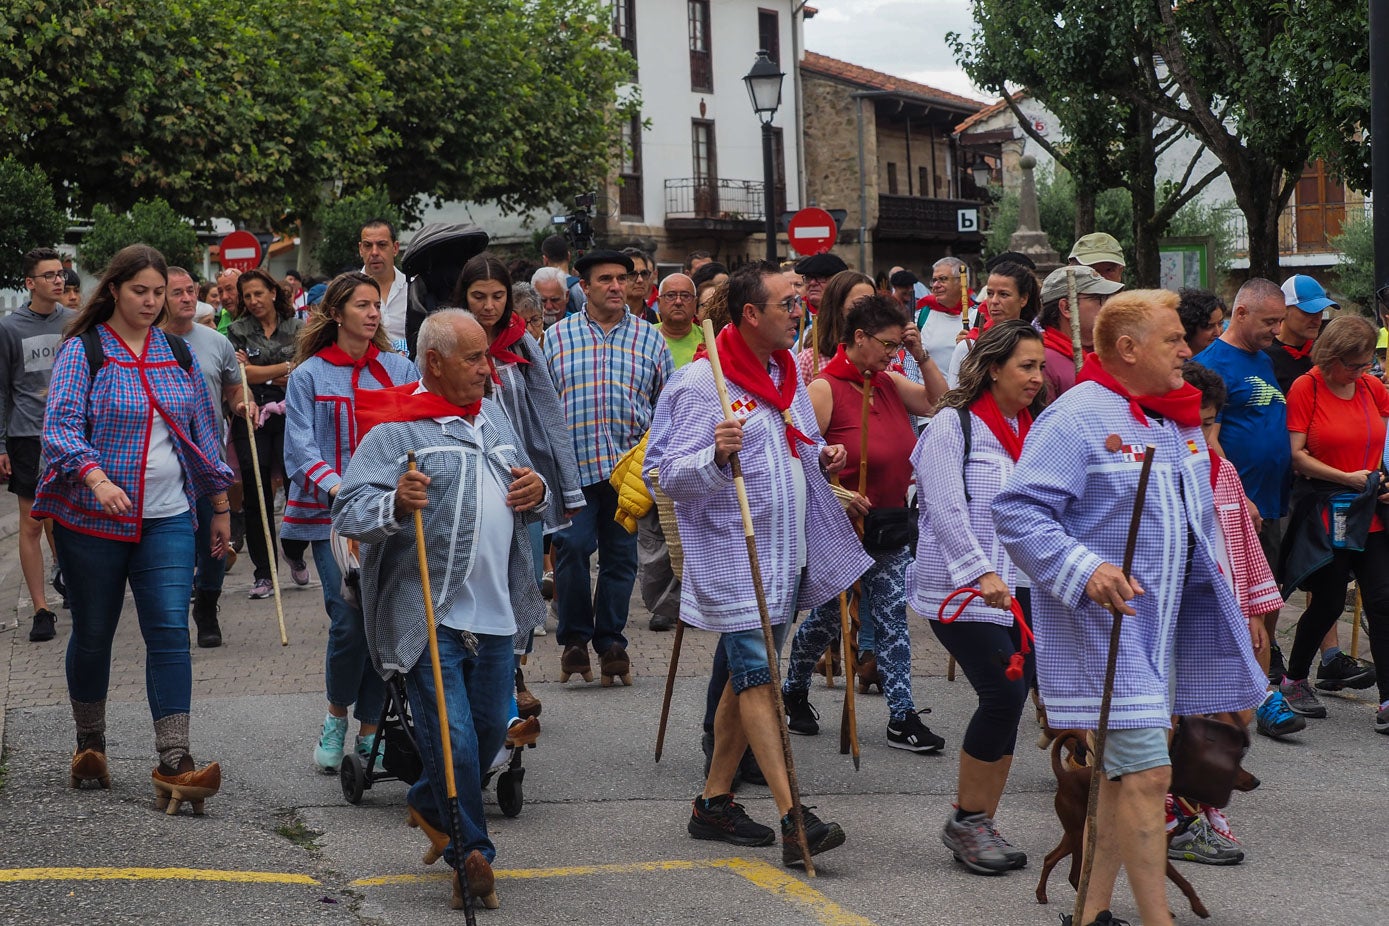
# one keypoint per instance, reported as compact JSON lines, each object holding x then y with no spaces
{"x":904,"y":447}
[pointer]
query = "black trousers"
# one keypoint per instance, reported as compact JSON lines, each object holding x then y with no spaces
{"x":1327,"y":586}
{"x":270,"y":452}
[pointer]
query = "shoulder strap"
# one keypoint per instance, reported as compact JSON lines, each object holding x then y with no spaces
{"x":179,"y":348}
{"x":96,"y":356}
{"x":966,"y":428}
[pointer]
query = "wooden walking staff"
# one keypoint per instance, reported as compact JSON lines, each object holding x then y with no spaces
{"x":964,"y":297}
{"x":260,"y":498}
{"x":848,"y":719}
{"x":1073,"y":300}
{"x":755,"y":567}
{"x":441,"y":705}
{"x":1102,"y":730}
{"x":670,"y":687}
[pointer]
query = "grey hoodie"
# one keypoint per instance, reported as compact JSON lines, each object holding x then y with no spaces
{"x":28,"y":346}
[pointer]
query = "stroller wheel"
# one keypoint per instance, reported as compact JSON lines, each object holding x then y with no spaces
{"x":509,"y":796}
{"x":353,"y":777}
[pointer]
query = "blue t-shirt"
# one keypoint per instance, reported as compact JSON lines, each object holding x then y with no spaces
{"x":1253,"y":424}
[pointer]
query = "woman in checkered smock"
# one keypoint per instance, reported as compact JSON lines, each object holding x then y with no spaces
{"x":131,"y":442}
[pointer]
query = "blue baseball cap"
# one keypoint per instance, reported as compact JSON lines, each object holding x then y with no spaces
{"x":1307,"y":294}
{"x":315,"y":294}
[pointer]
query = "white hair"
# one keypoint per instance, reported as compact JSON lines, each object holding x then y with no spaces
{"x":550,"y":275}
{"x":954,"y":263}
{"x":673,"y":276}
{"x":439,"y":333}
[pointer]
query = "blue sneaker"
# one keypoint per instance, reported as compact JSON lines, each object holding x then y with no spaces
{"x":1276,"y":719}
{"x":327,"y":755}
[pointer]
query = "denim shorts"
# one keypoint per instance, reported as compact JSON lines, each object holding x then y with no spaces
{"x":1129,"y":751}
{"x":746,"y":651}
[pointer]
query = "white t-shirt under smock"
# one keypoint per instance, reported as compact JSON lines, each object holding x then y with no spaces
{"x":164,"y":496}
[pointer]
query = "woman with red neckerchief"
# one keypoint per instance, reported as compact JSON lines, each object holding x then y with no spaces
{"x":343,"y":350}
{"x":1001,"y":388}
{"x":1013,"y":293}
{"x":874,"y":332}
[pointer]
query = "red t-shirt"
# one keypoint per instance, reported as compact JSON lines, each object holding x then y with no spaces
{"x":890,"y":440}
{"x":1345,"y":433}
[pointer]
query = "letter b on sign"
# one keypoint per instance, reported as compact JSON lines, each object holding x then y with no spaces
{"x":967,"y":220}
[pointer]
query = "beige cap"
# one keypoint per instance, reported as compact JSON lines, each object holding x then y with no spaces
{"x":1088,"y":282}
{"x":1096,"y":248}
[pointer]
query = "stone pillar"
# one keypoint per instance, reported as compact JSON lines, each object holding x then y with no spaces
{"x":1029,"y":239}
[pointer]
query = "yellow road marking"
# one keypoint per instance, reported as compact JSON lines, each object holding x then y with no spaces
{"x":774,"y":881}
{"x":11,"y":875}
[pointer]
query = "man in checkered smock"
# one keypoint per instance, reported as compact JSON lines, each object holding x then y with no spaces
{"x":1064,"y":515}
{"x":806,"y":548}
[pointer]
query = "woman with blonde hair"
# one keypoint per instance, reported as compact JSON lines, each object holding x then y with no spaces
{"x":343,"y":350}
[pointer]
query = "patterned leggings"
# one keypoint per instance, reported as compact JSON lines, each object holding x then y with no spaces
{"x":884,"y":603}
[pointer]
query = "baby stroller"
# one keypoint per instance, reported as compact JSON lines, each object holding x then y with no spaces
{"x":399,"y":758}
{"x":432,"y":262}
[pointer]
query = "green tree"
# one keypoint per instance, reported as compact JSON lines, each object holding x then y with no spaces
{"x":28,"y":217}
{"x":1356,"y":274}
{"x":339,"y":225}
{"x":154,"y":223}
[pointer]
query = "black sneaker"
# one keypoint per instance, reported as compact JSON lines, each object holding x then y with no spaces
{"x":913,"y":735}
{"x":1103,"y":918}
{"x":820,"y":836}
{"x":1276,"y":667}
{"x":45,"y":626}
{"x":801,"y":716}
{"x":723,"y":820}
{"x":1344,"y":672}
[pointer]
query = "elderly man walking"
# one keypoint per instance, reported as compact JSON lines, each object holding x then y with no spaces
{"x":807,"y":549}
{"x":1063,"y":517}
{"x":477,"y":495}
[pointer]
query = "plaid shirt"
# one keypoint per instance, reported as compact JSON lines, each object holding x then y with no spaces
{"x":106,"y":422}
{"x":1250,"y":575}
{"x":608,"y":384}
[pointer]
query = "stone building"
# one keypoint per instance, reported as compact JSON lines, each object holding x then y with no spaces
{"x":883,"y":149}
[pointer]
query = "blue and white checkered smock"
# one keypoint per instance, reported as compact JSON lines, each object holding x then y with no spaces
{"x":717,"y":592}
{"x":1066,"y":509}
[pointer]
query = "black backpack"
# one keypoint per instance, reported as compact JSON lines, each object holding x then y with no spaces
{"x":96,"y":356}
{"x":967,"y":426}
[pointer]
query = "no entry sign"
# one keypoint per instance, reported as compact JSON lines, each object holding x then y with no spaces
{"x":240,"y":251}
{"x":812,"y":231}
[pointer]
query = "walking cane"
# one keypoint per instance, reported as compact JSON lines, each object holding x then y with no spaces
{"x":1073,"y":301}
{"x":964,"y":297}
{"x":848,"y":718}
{"x":1102,"y":730}
{"x":260,"y":497}
{"x":445,"y":740}
{"x":756,"y":568}
{"x":670,"y":687}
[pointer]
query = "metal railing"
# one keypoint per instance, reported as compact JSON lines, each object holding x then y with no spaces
{"x":699,"y":198}
{"x":1302,"y":229}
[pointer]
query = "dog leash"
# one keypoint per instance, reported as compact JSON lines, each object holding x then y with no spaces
{"x":1013,"y":669}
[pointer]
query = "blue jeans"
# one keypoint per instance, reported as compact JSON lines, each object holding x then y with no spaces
{"x":477,"y":691}
{"x":160,"y":571}
{"x":585,"y":615}
{"x":348,"y":674}
{"x":209,"y":569}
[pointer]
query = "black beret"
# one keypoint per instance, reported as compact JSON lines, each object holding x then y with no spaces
{"x":821,"y":265}
{"x":602,"y":256}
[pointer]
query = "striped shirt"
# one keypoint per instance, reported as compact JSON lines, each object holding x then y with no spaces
{"x":608,"y":383}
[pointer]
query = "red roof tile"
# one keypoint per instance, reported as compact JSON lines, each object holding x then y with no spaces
{"x":876,"y":80}
{"x":988,"y":111}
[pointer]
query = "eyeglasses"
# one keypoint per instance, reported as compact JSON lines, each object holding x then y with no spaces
{"x":891,"y":347}
{"x":1355,"y":367}
{"x":639,"y":275}
{"x":675,"y":296}
{"x":789,"y":304}
{"x":51,"y":276}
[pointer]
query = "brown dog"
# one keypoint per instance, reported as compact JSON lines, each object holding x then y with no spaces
{"x":1068,"y":749}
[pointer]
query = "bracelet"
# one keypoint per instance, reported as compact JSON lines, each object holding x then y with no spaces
{"x":225,"y":510}
{"x":99,"y":484}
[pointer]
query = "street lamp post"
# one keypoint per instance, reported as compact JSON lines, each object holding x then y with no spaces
{"x":764,"y":88}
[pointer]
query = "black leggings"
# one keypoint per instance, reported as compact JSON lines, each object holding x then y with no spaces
{"x":270,"y":452}
{"x":982,"y":652}
{"x":1327,"y":588}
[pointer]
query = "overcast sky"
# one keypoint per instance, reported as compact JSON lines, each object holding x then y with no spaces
{"x":901,"y":37}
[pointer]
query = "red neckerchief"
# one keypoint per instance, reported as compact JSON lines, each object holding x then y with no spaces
{"x":1298,"y":353}
{"x":403,"y":403}
{"x":1182,"y":405}
{"x":497,"y":351}
{"x":743,"y":369}
{"x":1058,"y":342}
{"x":974,"y":333}
{"x":341,"y":358}
{"x":929,"y":301}
{"x":986,"y":407}
{"x":841,"y":367}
